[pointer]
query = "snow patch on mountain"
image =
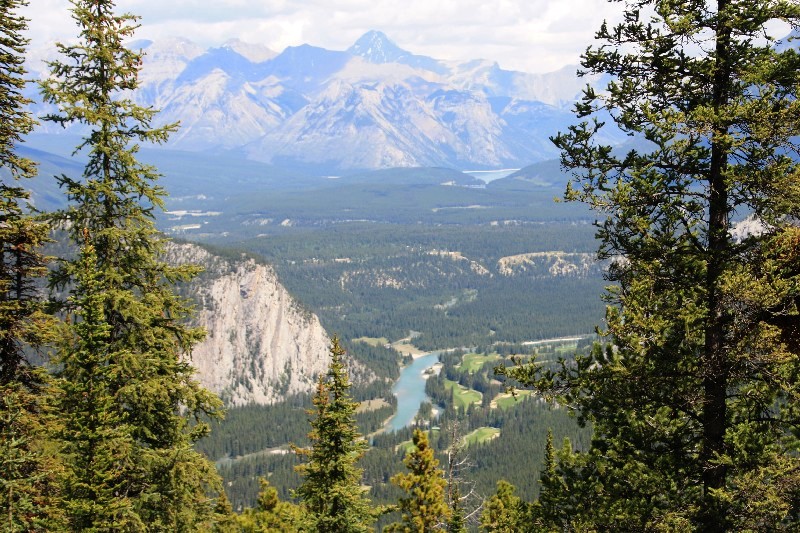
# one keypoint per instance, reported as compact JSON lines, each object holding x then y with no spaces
{"x":372,"y":106}
{"x":254,"y":53}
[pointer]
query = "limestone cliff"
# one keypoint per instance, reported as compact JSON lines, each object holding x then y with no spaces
{"x":261,"y":345}
{"x":549,"y":264}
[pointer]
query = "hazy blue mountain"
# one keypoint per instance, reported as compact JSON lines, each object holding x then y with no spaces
{"x":306,"y":67}
{"x":541,"y":175}
{"x":226,"y":59}
{"x":374,"y":105}
{"x":376,"y":47}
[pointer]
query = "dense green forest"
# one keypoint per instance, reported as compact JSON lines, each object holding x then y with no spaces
{"x":252,"y":441}
{"x":680,"y":414}
{"x":368,"y":281}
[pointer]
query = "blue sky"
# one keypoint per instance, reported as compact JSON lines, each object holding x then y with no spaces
{"x":528,"y":35}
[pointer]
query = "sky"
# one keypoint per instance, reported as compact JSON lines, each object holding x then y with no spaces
{"x":526,"y":35}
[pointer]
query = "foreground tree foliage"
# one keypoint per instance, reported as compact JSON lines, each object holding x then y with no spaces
{"x":28,"y":468}
{"x":132,"y":406}
{"x":424,"y":507}
{"x":694,"y":400}
{"x":96,"y":439}
{"x":270,"y":513}
{"x":331,"y":494}
{"x":504,"y":512}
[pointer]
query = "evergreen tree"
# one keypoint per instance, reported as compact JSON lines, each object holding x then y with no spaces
{"x":557,"y":508}
{"x":549,"y":503}
{"x":149,"y":403}
{"x":694,"y":400}
{"x":331,"y":491}
{"x":97,"y":442}
{"x":457,"y":522}
{"x":21,"y":237}
{"x":424,"y":508}
{"x":30,"y":468}
{"x":270,"y":514}
{"x":27,"y":483}
{"x":504,"y":511}
{"x":225,"y":520}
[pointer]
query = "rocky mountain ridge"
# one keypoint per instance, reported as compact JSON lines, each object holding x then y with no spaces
{"x":374,"y":105}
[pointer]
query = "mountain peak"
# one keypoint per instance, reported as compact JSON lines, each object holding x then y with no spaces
{"x":255,"y":53}
{"x":376,"y":47}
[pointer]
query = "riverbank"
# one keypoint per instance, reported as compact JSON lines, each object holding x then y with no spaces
{"x":409,"y":389}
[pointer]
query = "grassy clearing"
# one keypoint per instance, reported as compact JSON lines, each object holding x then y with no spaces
{"x":472,"y":362}
{"x":462,"y":396}
{"x":505,"y":400}
{"x":552,"y":350}
{"x":373,"y":341}
{"x":372,"y":405}
{"x":481,"y":435}
{"x":407,"y":349}
{"x":405,"y":446}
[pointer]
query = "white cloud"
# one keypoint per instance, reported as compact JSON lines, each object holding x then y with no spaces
{"x":531,"y":35}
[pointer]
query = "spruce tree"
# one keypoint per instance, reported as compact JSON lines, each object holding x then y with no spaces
{"x":694,"y":399}
{"x":21,"y":236}
{"x":503,"y":512}
{"x":270,"y":513}
{"x":424,"y":507}
{"x":30,"y":468}
{"x":331,"y":492}
{"x":97,"y":442}
{"x":150,"y":402}
{"x":457,"y":523}
{"x":27,"y":483}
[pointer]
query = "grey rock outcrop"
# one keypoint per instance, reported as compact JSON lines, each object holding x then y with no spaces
{"x":261,"y":346}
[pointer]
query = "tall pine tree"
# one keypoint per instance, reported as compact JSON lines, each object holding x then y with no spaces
{"x":149,"y":397}
{"x":694,"y":402}
{"x":27,"y":486}
{"x":97,"y":441}
{"x":503,"y":512}
{"x":21,"y":236}
{"x":424,"y":507}
{"x":331,"y":491}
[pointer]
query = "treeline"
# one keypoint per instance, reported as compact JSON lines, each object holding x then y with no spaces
{"x":331,"y":206}
{"x":362,"y":240}
{"x":253,"y":428}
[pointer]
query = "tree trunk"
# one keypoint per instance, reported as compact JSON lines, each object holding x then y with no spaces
{"x":714,"y":364}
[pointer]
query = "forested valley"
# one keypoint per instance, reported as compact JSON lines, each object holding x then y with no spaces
{"x":624,"y":359}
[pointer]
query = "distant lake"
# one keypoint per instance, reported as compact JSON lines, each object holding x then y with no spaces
{"x":490,"y":175}
{"x":410,"y":391}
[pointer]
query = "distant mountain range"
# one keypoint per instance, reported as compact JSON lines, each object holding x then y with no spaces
{"x":372,"y":106}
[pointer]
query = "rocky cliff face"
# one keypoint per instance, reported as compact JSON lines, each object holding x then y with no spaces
{"x":550,"y":264}
{"x":261,"y":345}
